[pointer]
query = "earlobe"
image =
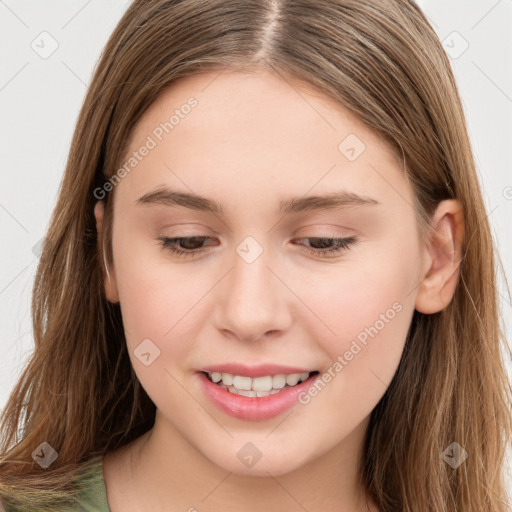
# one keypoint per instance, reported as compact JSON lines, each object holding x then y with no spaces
{"x":109,"y":281}
{"x":443,"y":256}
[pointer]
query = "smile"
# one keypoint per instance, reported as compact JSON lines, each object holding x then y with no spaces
{"x":258,"y":386}
{"x":255,"y":398}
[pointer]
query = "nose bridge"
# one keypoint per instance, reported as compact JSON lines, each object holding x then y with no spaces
{"x":253,"y":300}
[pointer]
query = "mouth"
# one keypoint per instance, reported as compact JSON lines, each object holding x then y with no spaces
{"x":257,"y":387}
{"x":255,"y":398}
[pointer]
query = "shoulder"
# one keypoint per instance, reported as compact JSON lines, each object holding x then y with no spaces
{"x":90,"y":483}
{"x":90,"y":495}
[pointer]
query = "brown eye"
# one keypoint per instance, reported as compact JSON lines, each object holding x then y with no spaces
{"x":329,"y":245}
{"x":184,"y":246}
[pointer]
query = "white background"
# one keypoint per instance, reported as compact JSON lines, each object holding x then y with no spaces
{"x":40,"y":100}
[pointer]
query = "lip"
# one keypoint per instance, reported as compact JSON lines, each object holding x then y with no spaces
{"x":260,"y":370}
{"x":254,"y":408}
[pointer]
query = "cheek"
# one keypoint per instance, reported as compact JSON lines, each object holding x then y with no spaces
{"x":363,"y":312}
{"x":156,"y":299}
{"x":371,"y":325}
{"x":159,"y":322}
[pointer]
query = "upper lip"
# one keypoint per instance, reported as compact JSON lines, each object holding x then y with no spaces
{"x":260,"y":370}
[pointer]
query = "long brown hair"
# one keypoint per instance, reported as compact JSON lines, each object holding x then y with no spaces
{"x":383,"y":61}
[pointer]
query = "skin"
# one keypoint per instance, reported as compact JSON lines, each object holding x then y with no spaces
{"x":253,"y":140}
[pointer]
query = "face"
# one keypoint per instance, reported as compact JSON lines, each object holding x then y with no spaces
{"x":258,"y":294}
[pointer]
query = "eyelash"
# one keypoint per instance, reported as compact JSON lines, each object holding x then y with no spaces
{"x":342,"y":244}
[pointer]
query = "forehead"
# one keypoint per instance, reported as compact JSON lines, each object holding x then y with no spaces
{"x":229,"y":130}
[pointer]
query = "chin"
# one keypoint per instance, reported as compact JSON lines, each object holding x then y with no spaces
{"x":251,"y":461}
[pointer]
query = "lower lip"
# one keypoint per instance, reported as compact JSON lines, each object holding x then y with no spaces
{"x":254,"y":408}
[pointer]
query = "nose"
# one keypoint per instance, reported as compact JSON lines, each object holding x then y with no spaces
{"x":253,"y":301}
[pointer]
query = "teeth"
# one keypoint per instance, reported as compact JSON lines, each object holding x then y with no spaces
{"x":262,"y":383}
{"x":243,"y":383}
{"x":279,"y":381}
{"x":227,"y":379}
{"x":291,"y":380}
{"x":259,"y":386}
{"x":247,"y":393}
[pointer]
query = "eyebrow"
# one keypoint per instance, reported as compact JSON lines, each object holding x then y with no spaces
{"x":331,"y":200}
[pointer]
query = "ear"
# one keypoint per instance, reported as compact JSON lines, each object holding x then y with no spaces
{"x":108,"y":273}
{"x":441,"y":258}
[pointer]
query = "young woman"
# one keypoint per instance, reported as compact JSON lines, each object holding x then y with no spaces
{"x":269,"y":279}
